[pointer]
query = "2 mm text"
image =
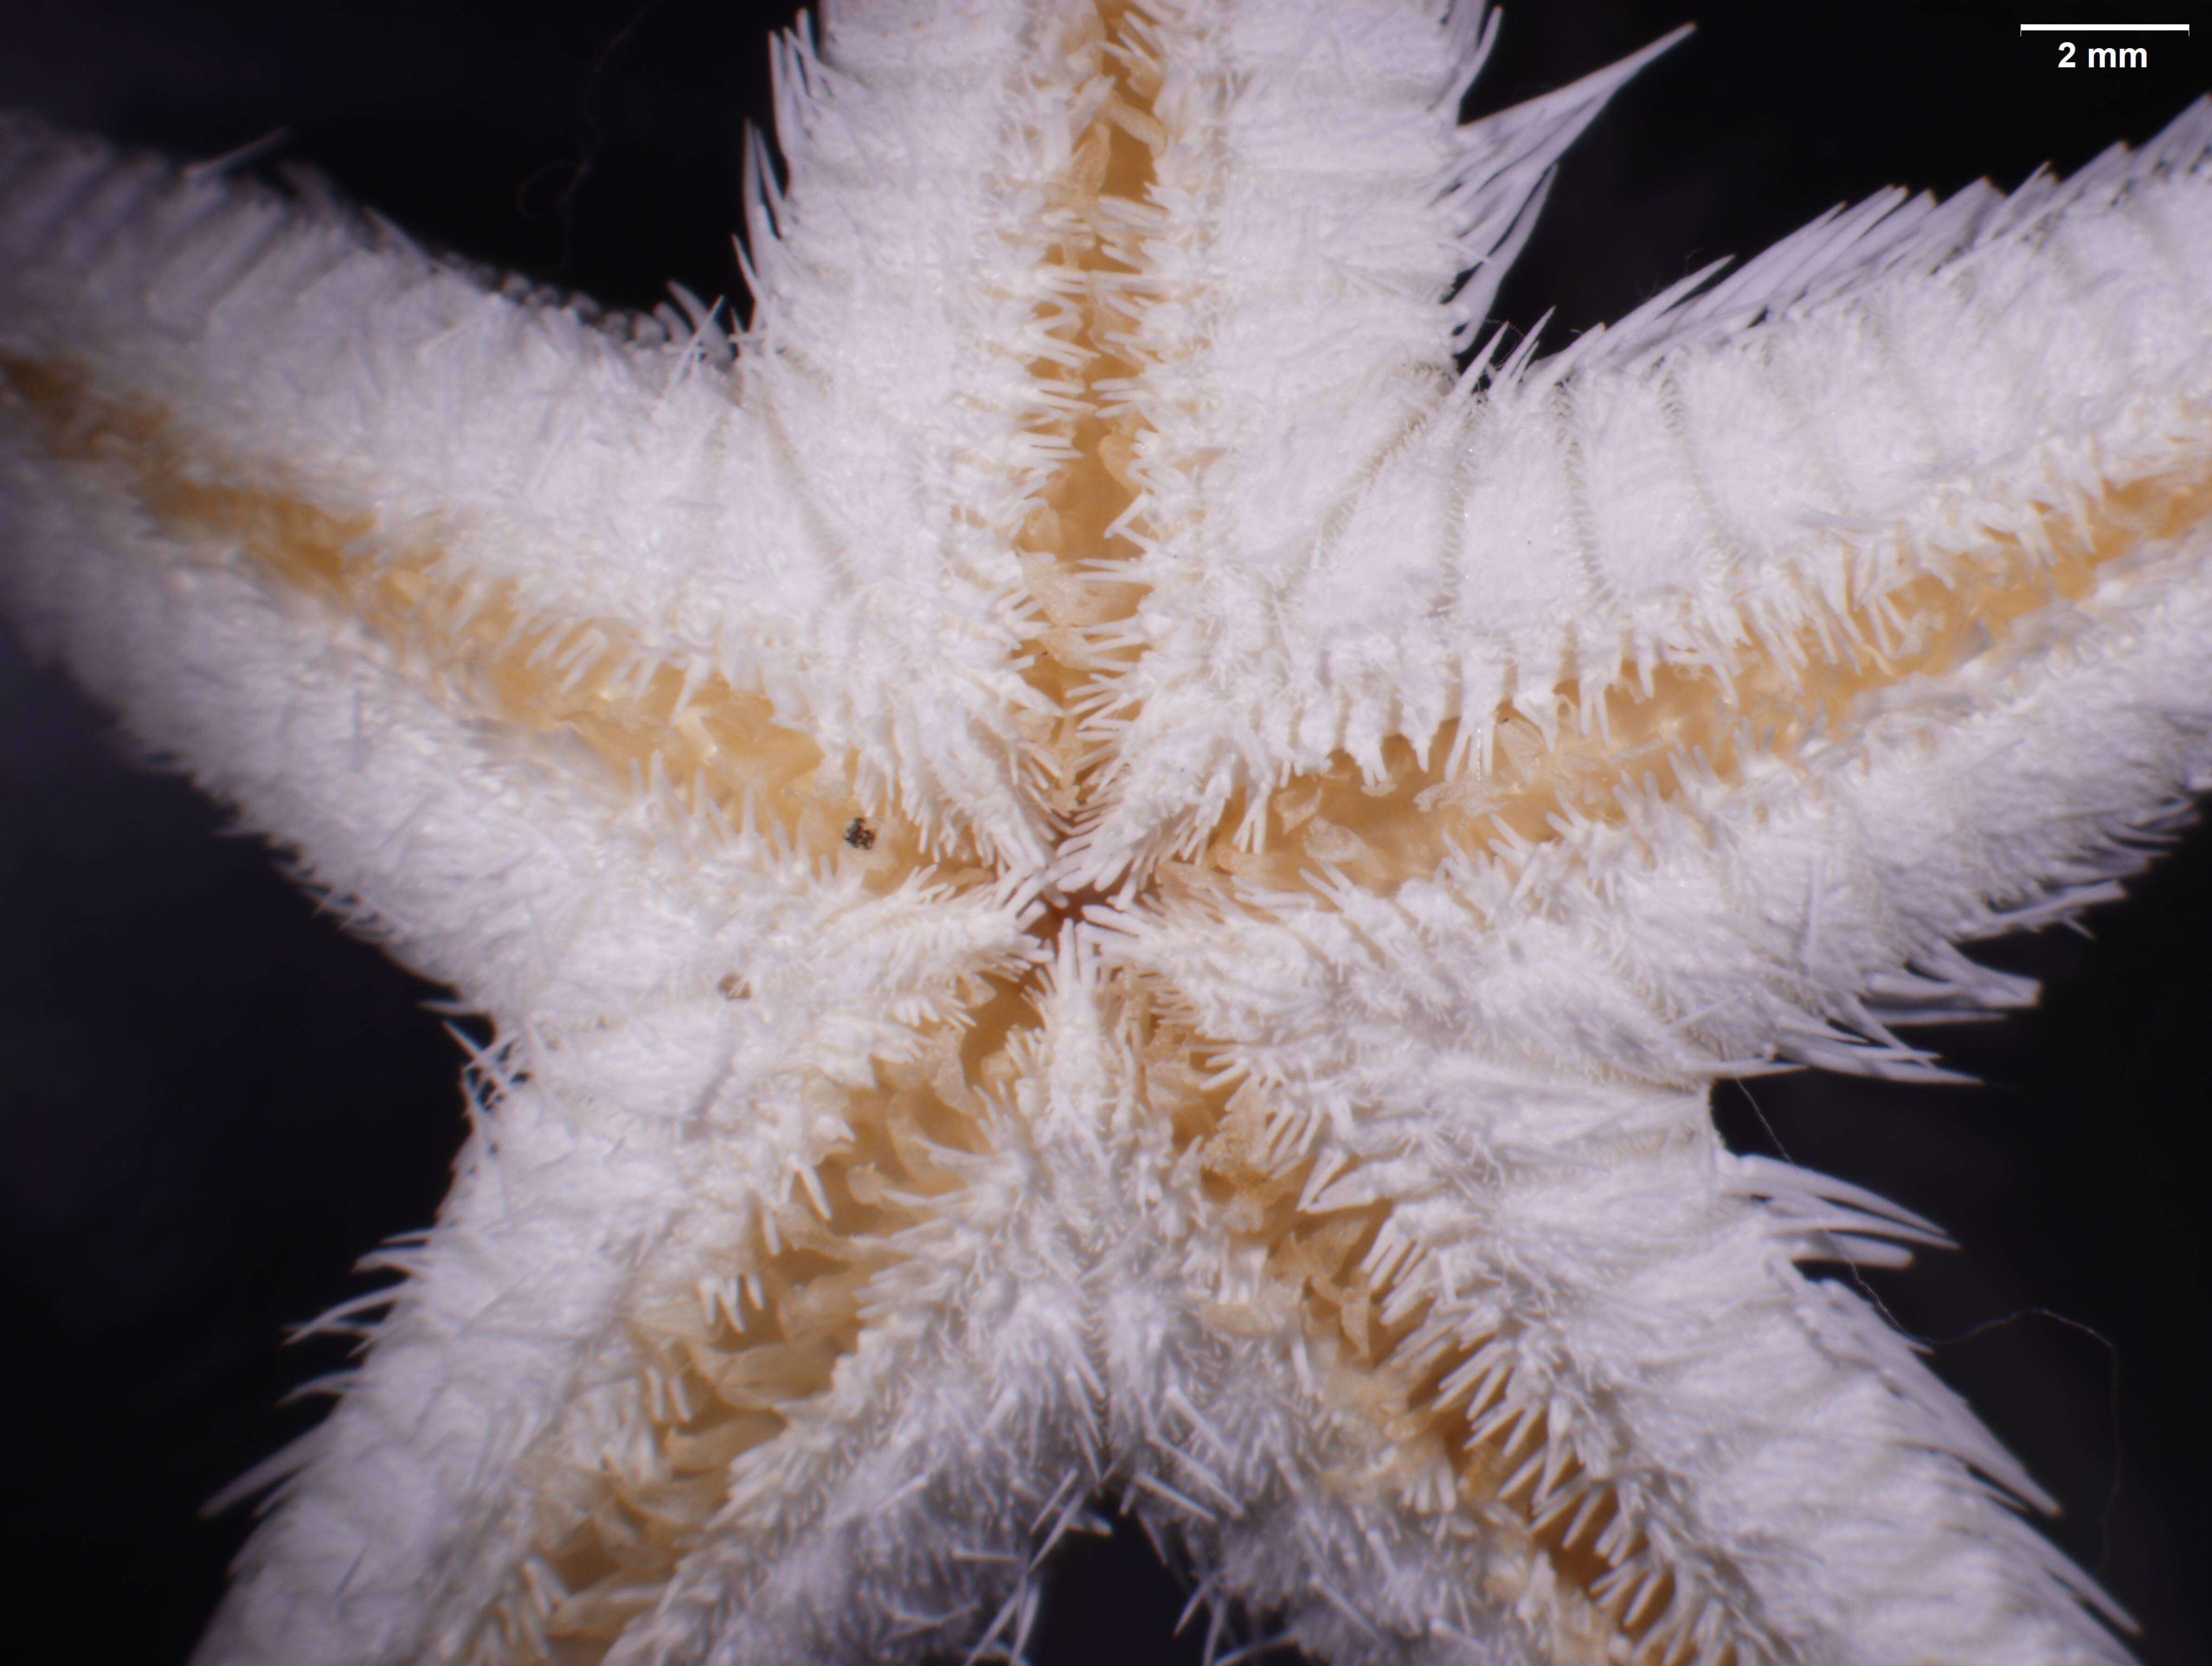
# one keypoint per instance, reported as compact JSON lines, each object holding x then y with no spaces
{"x":2105,"y":57}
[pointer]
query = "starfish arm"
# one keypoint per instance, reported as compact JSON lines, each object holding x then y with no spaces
{"x":1311,"y":200}
{"x":906,"y":1504}
{"x":403,"y":1516}
{"x":485,"y":788}
{"x":470,"y":465}
{"x":845,"y":1425}
{"x":1471,"y":1148}
{"x":545,"y":1364}
{"x":338,"y":527}
{"x":1965,"y":691}
{"x":1741,"y":486}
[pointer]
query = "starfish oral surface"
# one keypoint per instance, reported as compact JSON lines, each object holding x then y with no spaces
{"x":1114,"y":855}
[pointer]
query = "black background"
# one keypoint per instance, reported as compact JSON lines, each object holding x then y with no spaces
{"x":211,"y":1103}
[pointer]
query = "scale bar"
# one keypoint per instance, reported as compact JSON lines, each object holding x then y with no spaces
{"x":2104,"y":28}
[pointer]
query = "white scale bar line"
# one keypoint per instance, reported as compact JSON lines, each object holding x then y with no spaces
{"x":2104,"y":28}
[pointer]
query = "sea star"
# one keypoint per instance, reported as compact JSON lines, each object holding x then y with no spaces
{"x":1203,"y":1204}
